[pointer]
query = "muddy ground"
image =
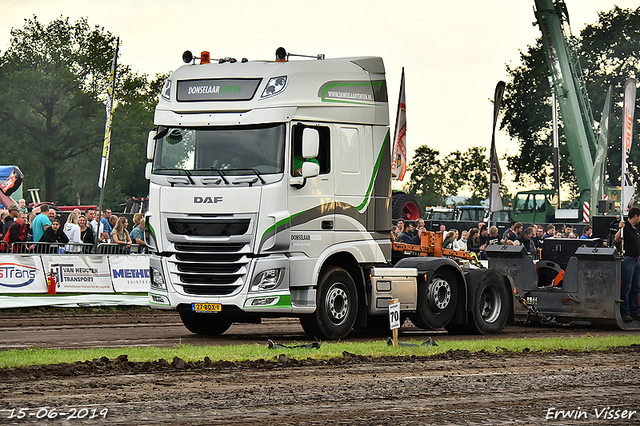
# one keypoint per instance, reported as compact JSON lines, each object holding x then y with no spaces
{"x":454,"y":388}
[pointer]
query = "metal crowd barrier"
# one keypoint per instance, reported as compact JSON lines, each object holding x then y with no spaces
{"x":71,"y":248}
{"x":113,"y":248}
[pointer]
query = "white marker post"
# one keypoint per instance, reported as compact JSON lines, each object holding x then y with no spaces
{"x":394,"y":319}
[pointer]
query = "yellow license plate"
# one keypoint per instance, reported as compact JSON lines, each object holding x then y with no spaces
{"x":206,"y":307}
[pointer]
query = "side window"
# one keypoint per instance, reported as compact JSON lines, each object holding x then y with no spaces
{"x":323,"y":158}
{"x":541,"y":200}
{"x":524,"y":203}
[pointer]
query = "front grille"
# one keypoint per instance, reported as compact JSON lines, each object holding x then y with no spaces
{"x":208,"y":227}
{"x":208,"y":269}
{"x":199,"y":279}
{"x":214,"y":257}
{"x":208,"y":248}
{"x":217,"y":268}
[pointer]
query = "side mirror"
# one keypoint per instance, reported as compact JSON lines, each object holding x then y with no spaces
{"x":310,"y":143}
{"x":151,"y":144}
{"x":310,"y":169}
{"x":147,"y":170}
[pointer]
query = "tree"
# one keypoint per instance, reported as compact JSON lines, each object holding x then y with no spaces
{"x":426,"y":180}
{"x":49,"y":85}
{"x":608,"y":52}
{"x":53,"y":82}
{"x":434,"y":180}
{"x":469,"y":172}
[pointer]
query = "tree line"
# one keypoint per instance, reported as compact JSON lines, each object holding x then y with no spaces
{"x":53,"y":81}
{"x":608,"y":52}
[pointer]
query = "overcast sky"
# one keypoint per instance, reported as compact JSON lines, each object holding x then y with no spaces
{"x":454,"y":51}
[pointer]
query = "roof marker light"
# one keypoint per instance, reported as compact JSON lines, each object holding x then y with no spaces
{"x":187,"y":56}
{"x":281,"y":54}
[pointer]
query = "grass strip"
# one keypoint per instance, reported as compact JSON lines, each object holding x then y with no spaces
{"x":374,"y":348}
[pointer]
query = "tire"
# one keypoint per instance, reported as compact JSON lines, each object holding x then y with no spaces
{"x":437,"y":301}
{"x":491,"y":304}
{"x":336,"y":306}
{"x":405,"y":206}
{"x":205,"y":324}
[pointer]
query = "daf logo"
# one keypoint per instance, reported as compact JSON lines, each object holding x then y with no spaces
{"x":207,"y":200}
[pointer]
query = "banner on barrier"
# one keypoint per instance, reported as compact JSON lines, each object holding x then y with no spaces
{"x":22,"y":274}
{"x":130,"y":273}
{"x":79,"y":274}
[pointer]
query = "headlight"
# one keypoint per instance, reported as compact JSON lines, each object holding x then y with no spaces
{"x":157,"y":280}
{"x":166,"y":90}
{"x":267,"y":280}
{"x":274,"y":86}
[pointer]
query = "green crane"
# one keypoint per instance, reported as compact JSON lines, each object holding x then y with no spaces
{"x":586,"y":148}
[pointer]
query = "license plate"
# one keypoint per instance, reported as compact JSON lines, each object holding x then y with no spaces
{"x":206,"y":307}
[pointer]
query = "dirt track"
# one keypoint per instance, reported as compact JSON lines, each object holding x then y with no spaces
{"x":145,"y":327}
{"x":452,"y":388}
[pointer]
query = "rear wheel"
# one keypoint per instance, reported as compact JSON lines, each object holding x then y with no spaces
{"x":491,"y":304}
{"x":205,"y":324}
{"x":437,"y":301}
{"x":336,"y":306}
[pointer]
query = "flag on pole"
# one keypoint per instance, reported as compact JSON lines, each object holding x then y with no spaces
{"x":627,"y":188}
{"x":495,"y":200}
{"x":102,"y":179}
{"x":399,"y":160}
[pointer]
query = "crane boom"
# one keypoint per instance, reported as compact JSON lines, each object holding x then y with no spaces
{"x":566,"y":82}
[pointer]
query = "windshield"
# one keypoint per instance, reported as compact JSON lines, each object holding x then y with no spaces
{"x":232,"y":150}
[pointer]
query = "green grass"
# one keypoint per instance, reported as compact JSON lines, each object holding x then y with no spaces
{"x":377,"y":348}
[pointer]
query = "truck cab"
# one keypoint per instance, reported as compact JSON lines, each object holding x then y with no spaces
{"x":269,"y":190}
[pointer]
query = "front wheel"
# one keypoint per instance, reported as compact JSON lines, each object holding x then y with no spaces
{"x":336,"y":306}
{"x":205,"y":324}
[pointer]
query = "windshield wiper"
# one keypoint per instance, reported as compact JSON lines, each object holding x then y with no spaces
{"x":226,"y":182}
{"x":186,"y":172}
{"x":257,"y":173}
{"x":259,"y":176}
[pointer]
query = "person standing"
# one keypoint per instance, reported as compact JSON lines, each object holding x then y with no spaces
{"x":120,"y":235}
{"x":105,"y":228}
{"x":461,"y":244}
{"x":22,"y":204}
{"x":525,"y":240}
{"x":86,"y":234}
{"x":400,"y":225}
{"x":137,"y":233}
{"x":630,"y":268}
{"x":538,"y":238}
{"x":14,"y":228}
{"x":72,"y":231}
{"x":551,"y":232}
{"x":586,"y":232}
{"x":41,"y":223}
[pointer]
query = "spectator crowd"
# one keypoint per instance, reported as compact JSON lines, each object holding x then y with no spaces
{"x":478,"y":238}
{"x":44,"y":229}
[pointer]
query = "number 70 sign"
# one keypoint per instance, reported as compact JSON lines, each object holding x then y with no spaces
{"x":394,"y":315}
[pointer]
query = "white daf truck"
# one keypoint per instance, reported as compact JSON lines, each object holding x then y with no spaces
{"x":270,"y":196}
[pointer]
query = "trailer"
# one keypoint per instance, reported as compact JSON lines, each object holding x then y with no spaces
{"x":270,"y":196}
{"x":575,"y":282}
